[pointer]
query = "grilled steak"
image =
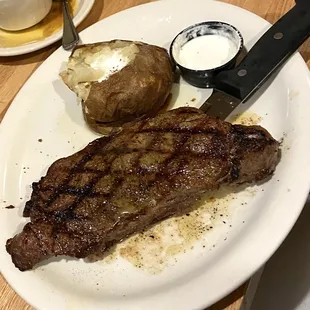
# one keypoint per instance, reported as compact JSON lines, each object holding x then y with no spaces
{"x":121,"y":184}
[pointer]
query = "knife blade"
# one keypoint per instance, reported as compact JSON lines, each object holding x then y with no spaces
{"x":220,"y":104}
{"x":236,"y":86}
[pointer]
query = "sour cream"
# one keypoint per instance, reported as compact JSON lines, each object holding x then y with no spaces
{"x":206,"y":52}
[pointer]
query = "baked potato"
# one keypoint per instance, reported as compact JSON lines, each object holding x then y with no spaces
{"x":119,"y":81}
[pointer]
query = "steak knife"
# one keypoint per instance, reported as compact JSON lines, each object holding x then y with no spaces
{"x":236,"y":86}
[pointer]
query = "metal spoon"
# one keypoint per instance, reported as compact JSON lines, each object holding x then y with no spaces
{"x":70,"y":37}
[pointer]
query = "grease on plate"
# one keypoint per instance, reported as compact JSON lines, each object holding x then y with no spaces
{"x":246,"y":118}
{"x":293,"y":94}
{"x":48,"y":26}
{"x":158,"y":247}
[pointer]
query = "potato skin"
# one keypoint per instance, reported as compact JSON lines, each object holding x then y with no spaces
{"x":138,"y":90}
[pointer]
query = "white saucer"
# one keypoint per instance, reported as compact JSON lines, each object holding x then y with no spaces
{"x":84,"y":7}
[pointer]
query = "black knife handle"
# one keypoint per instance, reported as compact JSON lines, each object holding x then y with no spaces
{"x":270,"y":52}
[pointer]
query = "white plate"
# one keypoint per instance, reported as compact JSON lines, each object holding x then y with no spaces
{"x":84,"y":7}
{"x":45,"y":109}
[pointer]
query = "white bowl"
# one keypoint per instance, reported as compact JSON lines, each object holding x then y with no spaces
{"x":22,"y":14}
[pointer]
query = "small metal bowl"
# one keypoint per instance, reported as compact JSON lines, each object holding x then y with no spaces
{"x":205,"y":78}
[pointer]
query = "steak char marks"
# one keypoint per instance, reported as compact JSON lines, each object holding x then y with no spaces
{"x":122,"y":184}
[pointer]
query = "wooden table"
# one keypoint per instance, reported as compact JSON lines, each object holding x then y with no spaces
{"x":14,"y":71}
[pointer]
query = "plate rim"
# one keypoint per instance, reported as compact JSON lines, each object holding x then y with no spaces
{"x":35,"y":46}
{"x":297,"y":57}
